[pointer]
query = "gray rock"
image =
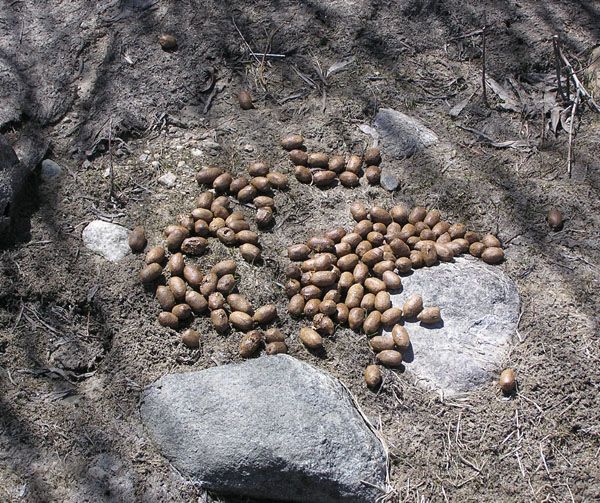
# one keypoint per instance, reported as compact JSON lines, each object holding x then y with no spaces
{"x":168,"y":179}
{"x":30,"y":146}
{"x":389,"y":181}
{"x":106,"y":239}
{"x":272,"y":427}
{"x":480,"y":313}
{"x":402,"y":135}
{"x":50,"y":170}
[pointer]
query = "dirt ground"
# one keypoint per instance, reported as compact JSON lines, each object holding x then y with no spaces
{"x":78,"y":335}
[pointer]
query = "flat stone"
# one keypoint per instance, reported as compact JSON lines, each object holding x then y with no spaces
{"x":168,"y":179}
{"x":272,"y":427}
{"x":402,"y":135}
{"x":106,"y":239}
{"x":50,"y":170}
{"x":389,"y":181}
{"x":480,"y":312}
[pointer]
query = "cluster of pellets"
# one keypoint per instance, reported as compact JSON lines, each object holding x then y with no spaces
{"x":183,"y":291}
{"x":322,"y":170}
{"x":345,"y":278}
{"x":257,"y":189}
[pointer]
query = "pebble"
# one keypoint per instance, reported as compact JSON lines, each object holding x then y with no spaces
{"x":106,"y":239}
{"x":196,"y":152}
{"x":168,"y":179}
{"x":389,"y":181}
{"x":402,"y":135}
{"x":50,"y":170}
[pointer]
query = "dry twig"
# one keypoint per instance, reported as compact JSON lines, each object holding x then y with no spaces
{"x":571,"y":125}
{"x":483,"y":84}
{"x":580,"y":90}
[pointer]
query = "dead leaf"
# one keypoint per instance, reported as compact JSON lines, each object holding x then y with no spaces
{"x":509,"y":100}
{"x":459,"y":107}
{"x":565,"y":118}
{"x":555,"y":118}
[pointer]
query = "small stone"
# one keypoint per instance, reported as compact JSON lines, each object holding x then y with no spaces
{"x":389,"y":181}
{"x":143,"y":157}
{"x":155,"y":164}
{"x":168,"y":179}
{"x":50,"y":170}
{"x":106,"y":239}
{"x":248,"y":148}
{"x":196,"y":152}
{"x":181,"y":164}
{"x":402,"y":135}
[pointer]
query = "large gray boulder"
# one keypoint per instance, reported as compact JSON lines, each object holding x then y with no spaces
{"x":271,"y":428}
{"x":480,"y":312}
{"x":402,"y":135}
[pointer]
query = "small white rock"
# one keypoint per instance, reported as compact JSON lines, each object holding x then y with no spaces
{"x":248,"y":148}
{"x":196,"y":152}
{"x":181,"y":164}
{"x":106,"y":239}
{"x":155,"y":164}
{"x":168,"y":179}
